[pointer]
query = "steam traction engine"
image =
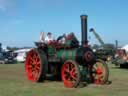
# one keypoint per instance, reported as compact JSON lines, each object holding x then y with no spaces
{"x":71,"y":62}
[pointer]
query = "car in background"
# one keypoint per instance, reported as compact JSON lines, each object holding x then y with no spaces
{"x":6,"y":57}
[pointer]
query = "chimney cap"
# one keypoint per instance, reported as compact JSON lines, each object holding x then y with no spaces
{"x":83,"y":16}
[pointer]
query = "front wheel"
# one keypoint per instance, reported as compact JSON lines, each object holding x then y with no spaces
{"x":100,"y":72}
{"x":70,"y":74}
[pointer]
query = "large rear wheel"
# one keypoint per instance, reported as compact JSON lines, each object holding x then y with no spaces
{"x":70,"y":74}
{"x":100,"y":72}
{"x":35,"y":65}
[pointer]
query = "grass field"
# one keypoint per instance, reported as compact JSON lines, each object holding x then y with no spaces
{"x":13,"y":82}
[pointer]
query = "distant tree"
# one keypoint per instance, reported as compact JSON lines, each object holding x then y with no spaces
{"x":0,"y":47}
{"x":95,"y":46}
{"x":12,"y":48}
{"x":109,"y":46}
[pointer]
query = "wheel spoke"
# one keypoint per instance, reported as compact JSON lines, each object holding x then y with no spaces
{"x":29,"y":67}
{"x":31,"y":58}
{"x":38,"y":63}
{"x":72,"y":66}
{"x":67,"y":68}
{"x":38,"y":69}
{"x":95,"y":66}
{"x":74,"y":77}
{"x":72,"y":70}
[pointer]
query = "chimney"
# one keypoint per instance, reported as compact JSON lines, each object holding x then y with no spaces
{"x":84,"y":40}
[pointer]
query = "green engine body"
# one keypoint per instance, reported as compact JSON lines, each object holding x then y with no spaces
{"x":66,"y":54}
{"x":82,"y":55}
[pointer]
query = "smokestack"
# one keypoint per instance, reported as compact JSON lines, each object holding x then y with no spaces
{"x":116,"y":44}
{"x":84,"y":29}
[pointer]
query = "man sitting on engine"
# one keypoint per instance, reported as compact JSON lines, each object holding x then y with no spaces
{"x":49,"y":38}
{"x":42,"y":37}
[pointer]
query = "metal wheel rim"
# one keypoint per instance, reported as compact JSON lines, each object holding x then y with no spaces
{"x":98,"y":73}
{"x":33,"y":66}
{"x":69,"y":74}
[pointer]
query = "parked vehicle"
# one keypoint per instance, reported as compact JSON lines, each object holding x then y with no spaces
{"x":6,"y":57}
{"x":121,"y":58}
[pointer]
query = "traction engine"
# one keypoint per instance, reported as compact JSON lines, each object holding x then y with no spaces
{"x":70,"y":62}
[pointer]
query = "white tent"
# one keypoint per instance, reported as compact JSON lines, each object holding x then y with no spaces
{"x":125,"y":48}
{"x":21,"y":54}
{"x":22,"y":50}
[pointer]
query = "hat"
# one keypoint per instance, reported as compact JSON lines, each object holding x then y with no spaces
{"x":49,"y":33}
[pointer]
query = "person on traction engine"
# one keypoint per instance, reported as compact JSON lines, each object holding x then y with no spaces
{"x":42,"y":37}
{"x":49,"y":38}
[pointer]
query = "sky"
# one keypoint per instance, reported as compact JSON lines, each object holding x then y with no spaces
{"x":21,"y":21}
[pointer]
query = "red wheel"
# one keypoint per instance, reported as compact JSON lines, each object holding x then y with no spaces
{"x":70,"y":74}
{"x":34,"y":65}
{"x":100,"y":72}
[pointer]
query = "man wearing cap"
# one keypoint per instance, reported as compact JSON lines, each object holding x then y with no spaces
{"x":49,"y":37}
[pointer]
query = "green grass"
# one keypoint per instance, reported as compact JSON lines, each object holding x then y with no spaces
{"x":13,"y":82}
